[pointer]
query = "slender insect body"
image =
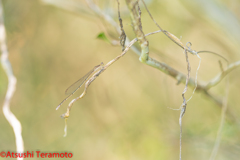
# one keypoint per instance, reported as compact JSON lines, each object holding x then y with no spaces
{"x":75,"y":86}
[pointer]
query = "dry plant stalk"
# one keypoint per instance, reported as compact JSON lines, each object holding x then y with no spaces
{"x":13,"y":121}
{"x":184,"y":104}
{"x":122,"y":35}
{"x":135,"y":14}
{"x":222,"y":120}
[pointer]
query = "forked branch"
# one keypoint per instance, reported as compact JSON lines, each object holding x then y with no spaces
{"x":180,"y":77}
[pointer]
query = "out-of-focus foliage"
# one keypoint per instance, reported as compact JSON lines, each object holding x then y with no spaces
{"x":103,"y":37}
{"x":125,"y":113}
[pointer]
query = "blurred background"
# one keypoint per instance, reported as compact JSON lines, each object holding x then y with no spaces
{"x":125,"y":113}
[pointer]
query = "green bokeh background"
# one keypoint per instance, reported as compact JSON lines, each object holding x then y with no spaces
{"x":125,"y":113}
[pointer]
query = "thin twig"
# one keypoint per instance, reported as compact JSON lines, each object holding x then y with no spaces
{"x":122,"y":35}
{"x":135,"y":14}
{"x":168,"y":34}
{"x":221,"y":65}
{"x":184,"y":104}
{"x":111,"y":21}
{"x":14,"y":122}
{"x":196,"y":77}
{"x":221,"y":75}
{"x":223,"y":114}
{"x":71,"y":6}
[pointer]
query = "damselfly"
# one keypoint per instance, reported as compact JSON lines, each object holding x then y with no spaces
{"x":76,"y":85}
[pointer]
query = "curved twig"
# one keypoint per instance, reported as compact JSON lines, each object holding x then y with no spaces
{"x":14,"y":122}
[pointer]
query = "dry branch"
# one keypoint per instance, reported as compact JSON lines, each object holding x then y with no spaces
{"x":180,"y":77}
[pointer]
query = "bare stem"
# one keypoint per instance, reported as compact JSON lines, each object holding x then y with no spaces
{"x":184,"y":104}
{"x":14,"y":122}
{"x":135,"y":14}
{"x":223,"y":114}
{"x":221,"y":75}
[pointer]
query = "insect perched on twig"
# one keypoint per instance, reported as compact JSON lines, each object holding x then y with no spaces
{"x":76,"y":85}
